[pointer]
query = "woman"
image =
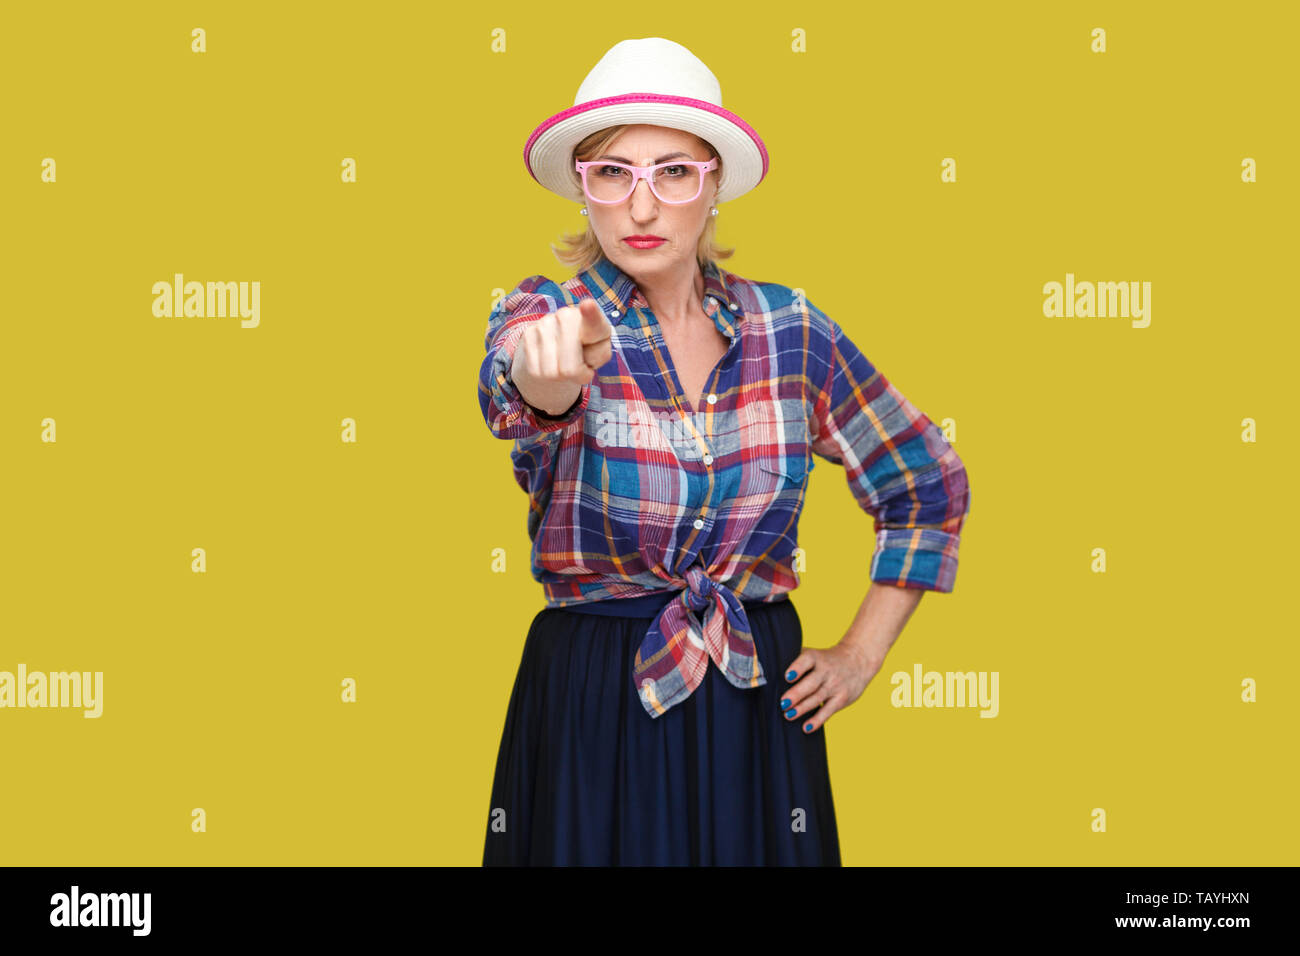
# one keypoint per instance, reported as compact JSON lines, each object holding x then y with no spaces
{"x":665,"y":415}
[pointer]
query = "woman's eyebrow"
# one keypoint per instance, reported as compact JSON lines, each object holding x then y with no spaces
{"x":661,"y":159}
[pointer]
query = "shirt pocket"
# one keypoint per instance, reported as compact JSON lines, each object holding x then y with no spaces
{"x":793,"y":468}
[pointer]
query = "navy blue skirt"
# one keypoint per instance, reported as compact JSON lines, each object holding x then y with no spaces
{"x":584,"y":776}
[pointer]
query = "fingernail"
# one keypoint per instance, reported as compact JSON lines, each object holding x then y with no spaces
{"x":789,"y":713}
{"x":807,"y":728}
{"x":785,"y":703}
{"x":791,"y":676}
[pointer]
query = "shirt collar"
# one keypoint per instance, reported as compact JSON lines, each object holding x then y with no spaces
{"x":617,"y":295}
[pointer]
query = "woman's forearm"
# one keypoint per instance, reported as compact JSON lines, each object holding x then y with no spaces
{"x":543,"y":395}
{"x":880,"y":619}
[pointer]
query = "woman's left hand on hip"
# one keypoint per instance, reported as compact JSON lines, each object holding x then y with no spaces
{"x":827,"y":679}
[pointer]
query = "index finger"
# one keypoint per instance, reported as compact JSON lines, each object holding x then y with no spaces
{"x":595,"y":326}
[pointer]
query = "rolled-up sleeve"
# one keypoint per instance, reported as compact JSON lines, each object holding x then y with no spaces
{"x":506,"y":413}
{"x":899,"y":467}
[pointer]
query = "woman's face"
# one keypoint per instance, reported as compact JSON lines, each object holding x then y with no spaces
{"x":642,"y":214}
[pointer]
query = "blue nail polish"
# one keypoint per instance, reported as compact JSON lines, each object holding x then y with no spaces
{"x":807,"y":728}
{"x":785,"y":703}
{"x":789,"y":713}
{"x":791,"y":676}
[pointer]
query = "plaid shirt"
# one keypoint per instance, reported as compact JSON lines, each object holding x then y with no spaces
{"x":633,"y":492}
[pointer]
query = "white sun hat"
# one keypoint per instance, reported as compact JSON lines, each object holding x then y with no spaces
{"x":656,"y":81}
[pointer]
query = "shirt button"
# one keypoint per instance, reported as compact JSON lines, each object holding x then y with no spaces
{"x":732,"y":306}
{"x":614,"y":314}
{"x":712,"y":399}
{"x":708,"y":459}
{"x":699,"y":523}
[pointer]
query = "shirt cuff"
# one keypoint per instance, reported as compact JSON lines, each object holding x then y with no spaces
{"x":916,"y":558}
{"x":538,"y":413}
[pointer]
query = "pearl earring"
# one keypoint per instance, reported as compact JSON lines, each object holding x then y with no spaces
{"x":582,"y":211}
{"x":713,"y":211}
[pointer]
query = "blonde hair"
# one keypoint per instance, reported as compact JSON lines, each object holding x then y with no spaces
{"x":581,"y":250}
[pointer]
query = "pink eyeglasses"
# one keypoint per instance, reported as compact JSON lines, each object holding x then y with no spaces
{"x":607,"y":182}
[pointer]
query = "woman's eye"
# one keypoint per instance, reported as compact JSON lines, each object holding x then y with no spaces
{"x":675,"y":171}
{"x":610,"y":171}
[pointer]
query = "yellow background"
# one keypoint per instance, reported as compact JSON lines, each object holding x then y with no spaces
{"x":326,"y":560}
